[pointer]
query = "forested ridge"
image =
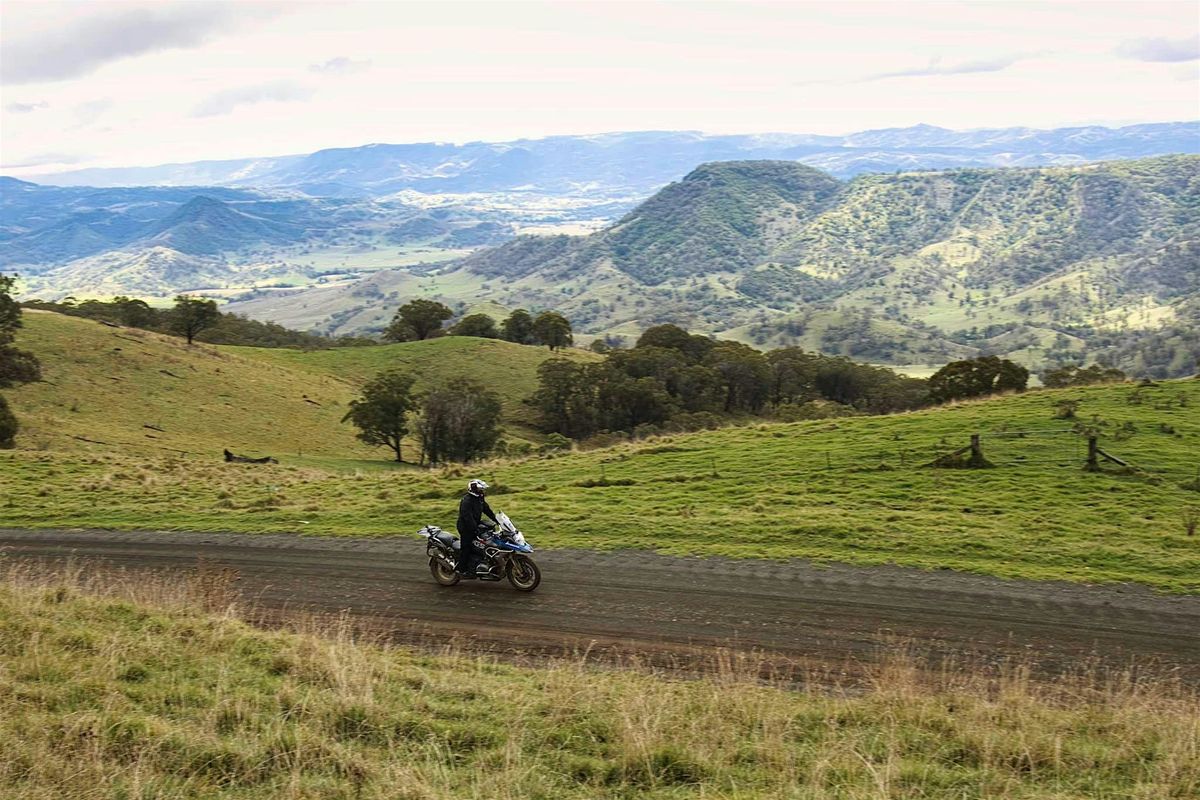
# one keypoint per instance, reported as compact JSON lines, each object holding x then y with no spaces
{"x":1050,"y":265}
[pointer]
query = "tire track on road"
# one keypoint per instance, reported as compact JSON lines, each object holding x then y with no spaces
{"x":672,"y":607}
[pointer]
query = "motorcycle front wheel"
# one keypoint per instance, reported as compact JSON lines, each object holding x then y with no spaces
{"x":443,"y":573}
{"x":524,"y":574}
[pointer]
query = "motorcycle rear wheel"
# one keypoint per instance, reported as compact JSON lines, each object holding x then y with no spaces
{"x":443,"y":573}
{"x":524,"y":574}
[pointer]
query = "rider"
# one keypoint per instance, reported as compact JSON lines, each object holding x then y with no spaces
{"x":471,"y":510}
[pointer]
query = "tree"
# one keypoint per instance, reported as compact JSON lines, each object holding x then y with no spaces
{"x":16,"y":366}
{"x":553,"y":330}
{"x":134,"y":313}
{"x":976,"y":377}
{"x":700,"y":388}
{"x":1011,"y":377}
{"x":10,"y":309}
{"x":564,"y":398}
{"x":418,"y":320}
{"x":459,"y":421}
{"x":745,"y":373}
{"x":1072,"y":375}
{"x":518,"y":327}
{"x":669,"y":336}
{"x":659,"y":363}
{"x":480,"y":325}
{"x":8,"y":425}
{"x":793,"y":375}
{"x":192,"y":315}
{"x":381,"y":413}
{"x":693,"y":346}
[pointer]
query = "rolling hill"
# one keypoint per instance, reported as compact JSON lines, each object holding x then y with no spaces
{"x":1041,"y":265}
{"x":127,"y":429}
{"x":136,"y":392}
{"x":242,"y":228}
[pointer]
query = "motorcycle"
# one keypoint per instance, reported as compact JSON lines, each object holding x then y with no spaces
{"x":504,"y":549}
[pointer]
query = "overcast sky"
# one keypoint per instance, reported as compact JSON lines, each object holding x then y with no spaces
{"x":119,"y":84}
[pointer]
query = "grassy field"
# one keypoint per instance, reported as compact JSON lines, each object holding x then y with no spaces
{"x":146,"y":393}
{"x":129,"y":688}
{"x":509,"y":370}
{"x":851,"y":490}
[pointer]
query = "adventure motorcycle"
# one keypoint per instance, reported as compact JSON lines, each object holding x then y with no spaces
{"x":504,"y":553}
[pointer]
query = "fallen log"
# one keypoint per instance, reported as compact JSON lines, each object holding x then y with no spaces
{"x":236,"y":459}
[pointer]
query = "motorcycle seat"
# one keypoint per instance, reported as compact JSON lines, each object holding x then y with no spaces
{"x":447,"y":540}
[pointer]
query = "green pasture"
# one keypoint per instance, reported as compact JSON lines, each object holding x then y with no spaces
{"x":853,"y":490}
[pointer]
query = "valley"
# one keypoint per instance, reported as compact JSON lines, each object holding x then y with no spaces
{"x":1042,"y":266}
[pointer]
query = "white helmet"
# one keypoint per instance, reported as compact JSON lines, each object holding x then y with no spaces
{"x":476,"y":486}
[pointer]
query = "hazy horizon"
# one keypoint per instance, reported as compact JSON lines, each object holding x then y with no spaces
{"x":117,"y":84}
{"x":33,"y":176}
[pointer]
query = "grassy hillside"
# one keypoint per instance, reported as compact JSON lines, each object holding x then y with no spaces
{"x":508,"y":369}
{"x":138,"y":392}
{"x":110,"y":384}
{"x":852,"y":490}
{"x":110,"y":697}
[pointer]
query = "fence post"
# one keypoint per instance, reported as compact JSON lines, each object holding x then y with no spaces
{"x":977,"y":459}
{"x":1093,"y":460}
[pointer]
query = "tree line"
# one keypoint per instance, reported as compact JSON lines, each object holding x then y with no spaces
{"x":16,"y":366}
{"x":425,"y":319}
{"x":195,"y":319}
{"x":200,"y":319}
{"x":675,"y":381}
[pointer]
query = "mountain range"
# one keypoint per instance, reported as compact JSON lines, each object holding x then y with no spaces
{"x":1039,"y":264}
{"x":637,"y":163}
{"x":906,"y":246}
{"x":155,"y":241}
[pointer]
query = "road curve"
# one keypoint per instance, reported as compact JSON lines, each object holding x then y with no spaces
{"x":673,"y":610}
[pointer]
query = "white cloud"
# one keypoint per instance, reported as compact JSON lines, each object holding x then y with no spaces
{"x":226,"y":101}
{"x":441,"y":71}
{"x":937,"y":67}
{"x":45,"y":160}
{"x":26,"y":108}
{"x":341,"y":66}
{"x":1161,"y":50}
{"x":88,"y":112}
{"x":80,"y":44}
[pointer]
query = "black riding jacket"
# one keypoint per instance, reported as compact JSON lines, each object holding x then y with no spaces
{"x":471,"y":510}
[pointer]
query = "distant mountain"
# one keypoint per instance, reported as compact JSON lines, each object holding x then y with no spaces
{"x":205,"y":226}
{"x":45,"y":229}
{"x":637,"y":163}
{"x":1043,"y":264}
{"x":1137,"y":223}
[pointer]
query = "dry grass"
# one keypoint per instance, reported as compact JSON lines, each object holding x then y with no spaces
{"x":131,"y":685}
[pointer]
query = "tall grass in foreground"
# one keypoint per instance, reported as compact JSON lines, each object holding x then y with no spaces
{"x":127,"y":685}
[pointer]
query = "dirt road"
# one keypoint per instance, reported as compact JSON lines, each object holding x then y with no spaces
{"x":673,"y":610}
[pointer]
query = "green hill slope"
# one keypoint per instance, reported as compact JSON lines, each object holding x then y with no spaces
{"x":853,"y":490}
{"x":134,"y":391}
{"x":508,"y":369}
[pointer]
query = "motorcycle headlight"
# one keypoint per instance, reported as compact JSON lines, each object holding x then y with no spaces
{"x":519,"y":537}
